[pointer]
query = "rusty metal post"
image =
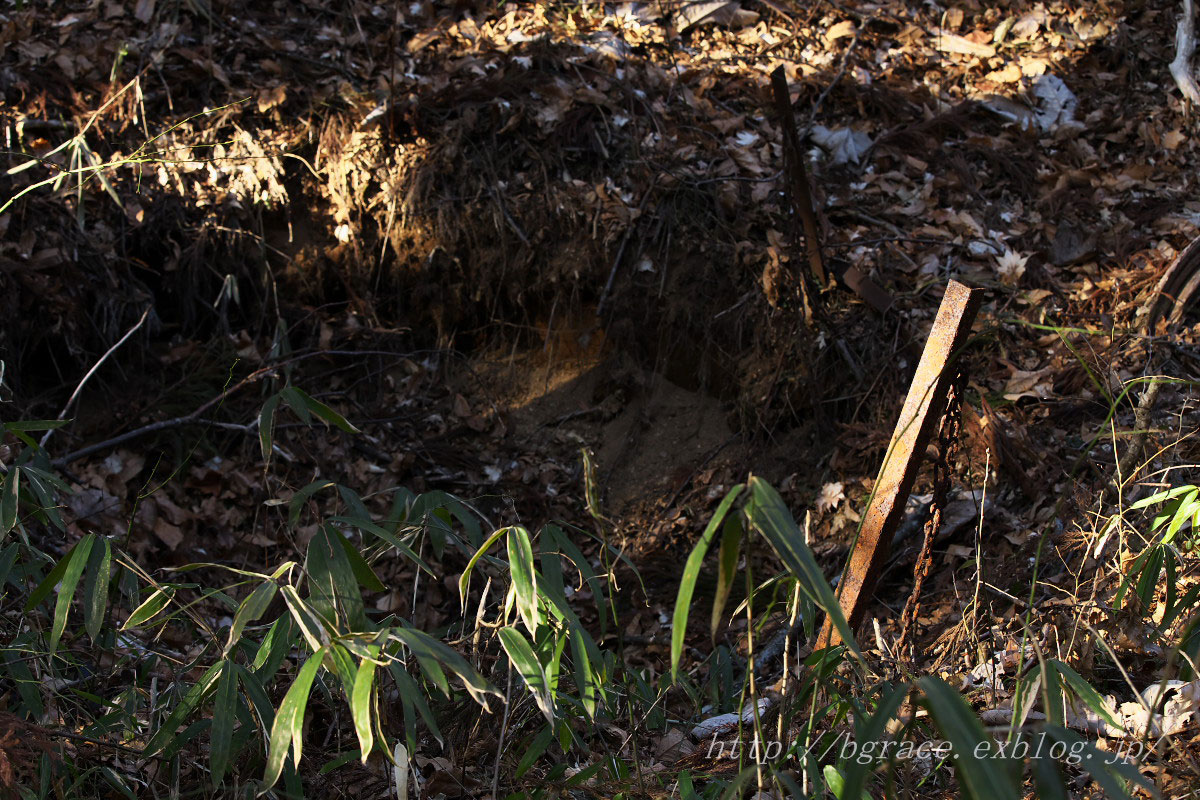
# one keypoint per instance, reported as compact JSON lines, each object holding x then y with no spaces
{"x":800,"y":192}
{"x":922,"y":407}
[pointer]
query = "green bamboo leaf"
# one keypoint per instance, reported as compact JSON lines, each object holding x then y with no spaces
{"x":465,"y":579}
{"x":1108,"y":769}
{"x":413,"y":699}
{"x":360,"y":706}
{"x":223,"y":715}
{"x":448,"y":503}
{"x":9,"y":493}
{"x":1183,"y":604}
{"x":1084,"y":691}
{"x":295,"y":400}
{"x":561,"y":542}
{"x":43,"y":485}
{"x":770,"y":516}
{"x":529,"y":668}
{"x":77,"y":559}
{"x":48,"y":477}
{"x":287,"y":732}
{"x":340,"y":662}
{"x":975,"y":754}
{"x":587,"y":773}
{"x":249,"y":610}
{"x":552,"y":668}
{"x":167,"y":733}
{"x":835,"y":781}
{"x":585,"y":653}
{"x":330,"y":416}
{"x":258,"y":696}
{"x":589,"y":686}
{"x":280,"y":638}
{"x":43,"y":589}
{"x":874,"y":730}
{"x":304,"y":406}
{"x":299,"y":498}
{"x":1159,"y":497}
{"x":524,"y":577}
{"x":1147,"y":583}
{"x":266,"y":426}
{"x":727,"y":559}
{"x":26,"y":440}
{"x":1188,"y":507}
{"x":8,"y":559}
{"x":1048,"y":779}
{"x":333,"y":591}
{"x":536,"y":748}
{"x":95,"y":588}
{"x":425,"y":646}
{"x":354,"y":503}
{"x":691,"y":569}
{"x":149,"y":608}
{"x":310,"y":622}
{"x":367,"y":526}
{"x":1053,"y":695}
{"x":363,"y":573}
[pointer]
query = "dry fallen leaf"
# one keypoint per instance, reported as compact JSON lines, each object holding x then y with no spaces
{"x":1172,"y":139}
{"x":831,"y":494}
{"x":1010,"y":267}
{"x":1037,"y":384}
{"x":842,"y":30}
{"x":953,"y":43}
{"x":170,"y":535}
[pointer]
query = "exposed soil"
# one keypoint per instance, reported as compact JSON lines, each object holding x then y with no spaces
{"x":496,"y":235}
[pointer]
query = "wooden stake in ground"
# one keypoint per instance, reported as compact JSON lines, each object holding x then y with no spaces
{"x":922,"y":407}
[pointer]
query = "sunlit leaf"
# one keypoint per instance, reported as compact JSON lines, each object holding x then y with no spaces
{"x":425,"y":646}
{"x":1084,"y":691}
{"x":149,"y":608}
{"x":287,"y":732}
{"x":524,"y":577}
{"x":529,"y":668}
{"x":360,"y":706}
{"x":250,"y":610}
{"x":76,"y":560}
{"x":770,"y":516}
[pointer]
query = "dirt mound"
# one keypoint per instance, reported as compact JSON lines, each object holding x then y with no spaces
{"x":488,"y":176}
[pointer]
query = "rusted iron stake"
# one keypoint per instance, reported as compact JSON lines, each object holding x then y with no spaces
{"x":800,"y":192}
{"x":922,"y":407}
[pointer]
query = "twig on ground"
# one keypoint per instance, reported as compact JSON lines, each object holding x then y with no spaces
{"x":1141,"y":429}
{"x":196,"y":417}
{"x":75,"y":394}
{"x":612,"y":274}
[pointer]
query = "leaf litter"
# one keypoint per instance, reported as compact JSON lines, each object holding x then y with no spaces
{"x":431,"y":169}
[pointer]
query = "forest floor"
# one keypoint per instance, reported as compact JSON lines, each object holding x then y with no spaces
{"x":496,"y":236}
